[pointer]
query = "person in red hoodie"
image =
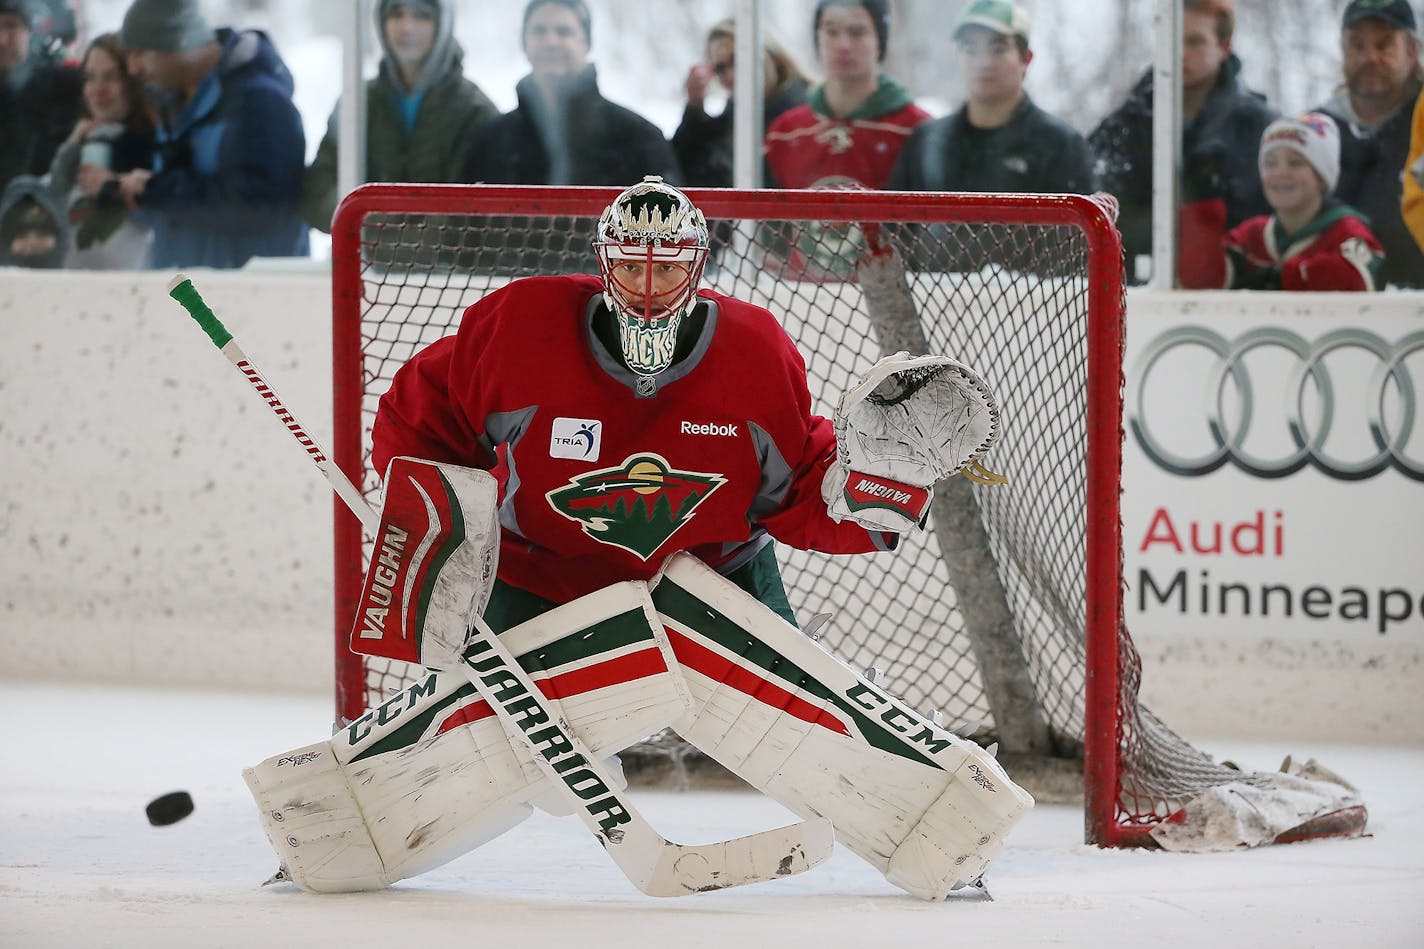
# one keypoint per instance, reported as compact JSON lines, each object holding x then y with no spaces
{"x":1311,"y":241}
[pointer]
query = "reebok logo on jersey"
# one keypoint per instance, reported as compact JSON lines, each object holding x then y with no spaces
{"x":710,"y":428}
{"x":578,"y":438}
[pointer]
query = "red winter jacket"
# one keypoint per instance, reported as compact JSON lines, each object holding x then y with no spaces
{"x":1335,"y":251}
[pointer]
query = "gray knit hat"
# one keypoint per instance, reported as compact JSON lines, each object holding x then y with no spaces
{"x":19,"y":8}
{"x":169,"y":26}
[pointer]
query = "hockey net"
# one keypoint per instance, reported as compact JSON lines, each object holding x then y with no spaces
{"x":1004,"y":619}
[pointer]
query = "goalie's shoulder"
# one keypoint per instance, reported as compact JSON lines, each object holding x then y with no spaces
{"x":746,"y":323}
{"x":525,"y":303}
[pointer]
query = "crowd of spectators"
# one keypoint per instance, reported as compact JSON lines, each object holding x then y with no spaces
{"x":172,"y":143}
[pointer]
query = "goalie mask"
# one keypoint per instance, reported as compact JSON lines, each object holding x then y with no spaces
{"x":651,"y":245}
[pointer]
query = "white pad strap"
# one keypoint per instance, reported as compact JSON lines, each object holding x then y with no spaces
{"x":928,"y":809}
{"x":431,"y":773}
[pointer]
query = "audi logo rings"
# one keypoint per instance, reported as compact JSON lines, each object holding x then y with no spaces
{"x":1228,"y":430}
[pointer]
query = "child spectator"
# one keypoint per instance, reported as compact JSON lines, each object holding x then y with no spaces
{"x":1310,"y":242}
{"x":32,"y":229}
{"x":113,"y":136}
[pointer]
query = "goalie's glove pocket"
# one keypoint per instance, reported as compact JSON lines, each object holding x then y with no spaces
{"x":909,"y":421}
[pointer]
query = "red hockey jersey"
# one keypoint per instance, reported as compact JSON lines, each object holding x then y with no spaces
{"x":810,"y":149}
{"x":602,"y":478}
{"x":1335,"y":251}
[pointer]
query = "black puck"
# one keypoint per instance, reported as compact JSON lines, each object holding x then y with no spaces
{"x":169,"y":808}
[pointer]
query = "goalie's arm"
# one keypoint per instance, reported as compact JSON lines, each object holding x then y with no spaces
{"x":418,"y":417}
{"x":796,"y":512}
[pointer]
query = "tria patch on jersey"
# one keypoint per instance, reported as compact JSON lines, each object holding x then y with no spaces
{"x":637,"y":505}
{"x":577,"y":438}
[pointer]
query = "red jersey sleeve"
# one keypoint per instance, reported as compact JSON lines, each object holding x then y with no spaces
{"x":421,"y":417}
{"x":1346,"y":257}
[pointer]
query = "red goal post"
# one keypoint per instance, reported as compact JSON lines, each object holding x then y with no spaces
{"x":997,"y":286}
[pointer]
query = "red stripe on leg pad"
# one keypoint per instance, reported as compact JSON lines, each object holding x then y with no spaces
{"x":629,"y":668}
{"x":719,"y":668}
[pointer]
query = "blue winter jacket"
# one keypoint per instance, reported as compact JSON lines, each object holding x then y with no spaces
{"x":228,"y":174}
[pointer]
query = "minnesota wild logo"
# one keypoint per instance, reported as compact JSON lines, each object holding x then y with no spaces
{"x":637,"y":505}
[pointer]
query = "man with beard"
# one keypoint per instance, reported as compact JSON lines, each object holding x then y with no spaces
{"x":1380,"y":44}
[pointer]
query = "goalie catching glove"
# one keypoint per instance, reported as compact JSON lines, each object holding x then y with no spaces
{"x":905,"y":424}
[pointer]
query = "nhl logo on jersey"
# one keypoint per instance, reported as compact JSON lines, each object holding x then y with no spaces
{"x":637,"y":505}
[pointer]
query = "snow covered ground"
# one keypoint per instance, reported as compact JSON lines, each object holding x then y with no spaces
{"x":80,"y":866}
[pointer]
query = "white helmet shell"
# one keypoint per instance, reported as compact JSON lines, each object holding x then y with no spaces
{"x":651,"y":245}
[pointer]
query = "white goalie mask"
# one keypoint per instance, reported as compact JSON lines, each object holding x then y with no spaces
{"x":651,"y":245}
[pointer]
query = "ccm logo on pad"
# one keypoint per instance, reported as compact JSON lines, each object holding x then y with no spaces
{"x":709,"y":428}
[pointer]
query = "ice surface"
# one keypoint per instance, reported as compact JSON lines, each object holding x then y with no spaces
{"x":80,"y":866}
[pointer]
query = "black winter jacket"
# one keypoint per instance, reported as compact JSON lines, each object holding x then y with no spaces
{"x":1219,"y":149}
{"x":603,"y":143}
{"x":39,"y":104}
{"x":1372,"y":182}
{"x":1033,"y":153}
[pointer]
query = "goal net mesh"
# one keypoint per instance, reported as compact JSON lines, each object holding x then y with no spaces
{"x":1005,"y":285}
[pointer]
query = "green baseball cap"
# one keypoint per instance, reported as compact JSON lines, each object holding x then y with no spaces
{"x":1000,"y":16}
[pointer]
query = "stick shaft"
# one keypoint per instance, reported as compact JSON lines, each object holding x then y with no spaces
{"x":182,"y":290}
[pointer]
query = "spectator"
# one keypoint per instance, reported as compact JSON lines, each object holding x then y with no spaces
{"x":702,"y":142}
{"x":39,"y":98}
{"x":850,"y":131}
{"x":1383,"y":77}
{"x":227,"y":177}
{"x":32,"y":229}
{"x":1412,"y":207}
{"x":420,"y":109}
{"x":998,"y":140}
{"x":563,"y":131}
{"x":1311,"y":241}
{"x":1220,"y":182}
{"x":847,"y":135}
{"x":113,"y":136}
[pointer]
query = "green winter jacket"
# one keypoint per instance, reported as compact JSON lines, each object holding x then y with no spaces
{"x":432,"y":152}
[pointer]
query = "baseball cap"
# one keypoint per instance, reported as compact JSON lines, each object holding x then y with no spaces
{"x":1000,"y":16}
{"x":1396,"y":13}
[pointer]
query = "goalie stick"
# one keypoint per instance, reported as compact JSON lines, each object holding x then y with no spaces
{"x":655,"y":865}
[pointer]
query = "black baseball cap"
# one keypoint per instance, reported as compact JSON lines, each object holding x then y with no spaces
{"x":1397,"y":13}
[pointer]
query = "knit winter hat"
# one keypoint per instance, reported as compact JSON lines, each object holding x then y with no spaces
{"x":577,"y":7}
{"x":1000,"y":16}
{"x":168,"y":26}
{"x":19,"y":8}
{"x":879,"y":11}
{"x":432,"y":7}
{"x":1314,"y":136}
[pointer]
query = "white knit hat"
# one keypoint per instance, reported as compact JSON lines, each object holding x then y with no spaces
{"x":1314,"y":136}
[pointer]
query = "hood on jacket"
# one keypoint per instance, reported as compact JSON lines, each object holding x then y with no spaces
{"x":443,"y":54}
{"x":30,"y":210}
{"x":252,"y":52}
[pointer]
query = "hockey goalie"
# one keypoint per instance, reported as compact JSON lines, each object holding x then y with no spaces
{"x":583,"y":490}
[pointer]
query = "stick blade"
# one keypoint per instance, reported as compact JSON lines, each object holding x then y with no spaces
{"x":782,"y":852}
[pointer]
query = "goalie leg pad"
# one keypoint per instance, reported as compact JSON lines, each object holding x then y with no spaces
{"x":926,"y":808}
{"x":430,"y":773}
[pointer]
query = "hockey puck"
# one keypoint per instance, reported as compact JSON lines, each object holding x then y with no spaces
{"x":169,"y":808}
